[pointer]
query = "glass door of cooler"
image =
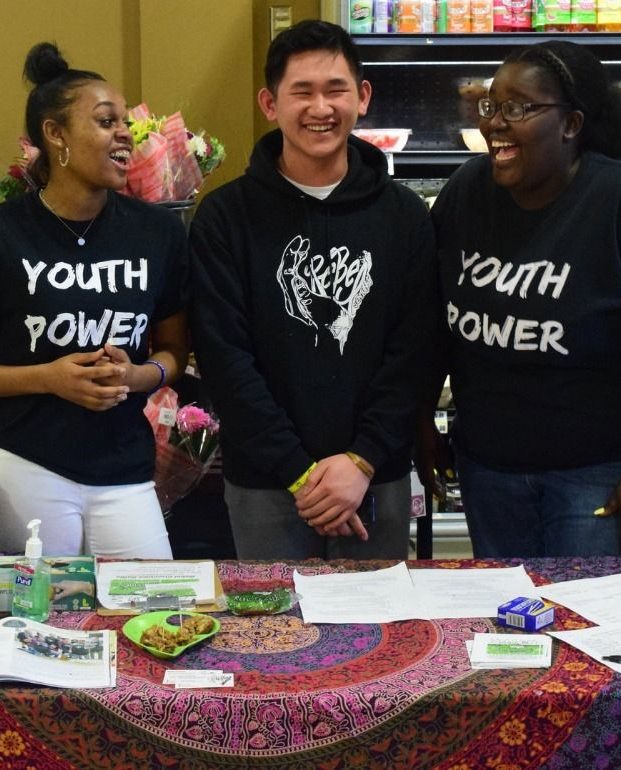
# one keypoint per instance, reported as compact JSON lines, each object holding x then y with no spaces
{"x":436,"y":101}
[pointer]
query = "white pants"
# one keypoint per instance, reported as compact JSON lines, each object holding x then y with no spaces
{"x":119,"y":521}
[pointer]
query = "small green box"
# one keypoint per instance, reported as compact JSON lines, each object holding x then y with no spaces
{"x":6,"y":573}
{"x":72,"y":579}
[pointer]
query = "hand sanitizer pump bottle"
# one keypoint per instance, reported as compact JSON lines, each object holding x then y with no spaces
{"x":31,"y":579}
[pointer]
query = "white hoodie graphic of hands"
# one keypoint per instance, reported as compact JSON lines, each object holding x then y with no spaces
{"x":340,"y":278}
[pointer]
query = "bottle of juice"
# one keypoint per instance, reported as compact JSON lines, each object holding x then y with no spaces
{"x":503,"y":16}
{"x":513,"y":15}
{"x":428,"y":16}
{"x":382,"y":18}
{"x":521,"y":15}
{"x":441,"y":20}
{"x":409,"y":16}
{"x":539,"y":15}
{"x":360,"y":17}
{"x":583,"y":15}
{"x":557,"y":15}
{"x":609,"y":15}
{"x":458,"y":16}
{"x":481,"y":16}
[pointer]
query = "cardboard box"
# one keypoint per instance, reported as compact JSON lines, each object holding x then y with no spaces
{"x":6,"y":573}
{"x":72,"y":579}
{"x":527,"y":614}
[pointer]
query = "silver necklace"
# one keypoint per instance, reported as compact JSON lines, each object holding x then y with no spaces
{"x":79,"y":237}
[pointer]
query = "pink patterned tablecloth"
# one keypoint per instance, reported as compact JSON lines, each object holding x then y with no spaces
{"x":327,"y":697}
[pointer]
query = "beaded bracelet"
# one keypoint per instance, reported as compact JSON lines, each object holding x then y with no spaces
{"x":162,"y":369}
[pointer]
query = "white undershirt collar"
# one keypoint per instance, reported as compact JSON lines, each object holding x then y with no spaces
{"x":316,"y":192}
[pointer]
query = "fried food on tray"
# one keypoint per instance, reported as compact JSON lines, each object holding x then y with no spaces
{"x":166,"y":641}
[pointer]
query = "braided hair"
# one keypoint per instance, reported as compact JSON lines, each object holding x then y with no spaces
{"x":50,"y":98}
{"x":583,"y":83}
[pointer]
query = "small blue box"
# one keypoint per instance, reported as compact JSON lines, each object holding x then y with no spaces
{"x":527,"y":614}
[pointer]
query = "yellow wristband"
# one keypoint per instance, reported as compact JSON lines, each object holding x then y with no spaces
{"x":299,"y":482}
{"x":361,"y":464}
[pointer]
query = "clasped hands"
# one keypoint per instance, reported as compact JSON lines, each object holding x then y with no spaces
{"x":330,"y":498}
{"x":98,"y":380}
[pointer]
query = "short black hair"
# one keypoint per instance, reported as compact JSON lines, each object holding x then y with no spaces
{"x":309,"y":35}
{"x":582,"y":81}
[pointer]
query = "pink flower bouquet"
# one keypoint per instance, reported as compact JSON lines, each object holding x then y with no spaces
{"x":18,"y":180}
{"x":168,"y":162}
{"x":186,"y":440}
{"x":196,"y":431}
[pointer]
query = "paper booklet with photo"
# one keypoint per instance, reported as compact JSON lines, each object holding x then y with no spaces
{"x":56,"y":657}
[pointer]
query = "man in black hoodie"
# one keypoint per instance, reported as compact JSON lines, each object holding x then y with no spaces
{"x":313,"y":317}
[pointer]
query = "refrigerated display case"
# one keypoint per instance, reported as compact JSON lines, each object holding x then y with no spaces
{"x":430,"y":85}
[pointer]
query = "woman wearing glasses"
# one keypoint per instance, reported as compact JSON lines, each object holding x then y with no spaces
{"x":530,"y":254}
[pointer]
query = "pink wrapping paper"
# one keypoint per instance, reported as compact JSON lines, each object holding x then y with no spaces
{"x":161,"y":168}
{"x":149,"y":175}
{"x":187,"y":175}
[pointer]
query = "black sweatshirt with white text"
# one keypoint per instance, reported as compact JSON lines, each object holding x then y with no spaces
{"x":312,"y":319}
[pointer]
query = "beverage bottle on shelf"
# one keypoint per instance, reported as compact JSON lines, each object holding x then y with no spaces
{"x":409,"y":16}
{"x":521,"y":15}
{"x":539,"y":15}
{"x":441,"y":21}
{"x":557,"y":15}
{"x":481,"y":16}
{"x":502,"y":16}
{"x":360,"y":17}
{"x":394,"y":15}
{"x":609,"y":16}
{"x":427,"y":16}
{"x":513,"y":15}
{"x":458,"y":16}
{"x":417,"y":16}
{"x":583,"y":15}
{"x":382,"y":16}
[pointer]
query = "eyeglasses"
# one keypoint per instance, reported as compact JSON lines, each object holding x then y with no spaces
{"x":512,"y":111}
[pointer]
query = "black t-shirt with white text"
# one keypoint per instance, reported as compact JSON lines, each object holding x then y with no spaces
{"x":533,"y":303}
{"x":57,"y":298}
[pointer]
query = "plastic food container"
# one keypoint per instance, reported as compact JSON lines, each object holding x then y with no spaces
{"x":387,"y":139}
{"x":473,"y":139}
{"x":170,"y":621}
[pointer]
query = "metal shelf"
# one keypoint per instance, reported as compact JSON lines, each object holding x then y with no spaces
{"x":434,"y":157}
{"x":489,"y":38}
{"x":499,"y":40}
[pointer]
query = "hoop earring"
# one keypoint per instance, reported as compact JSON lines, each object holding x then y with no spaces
{"x":60,"y":157}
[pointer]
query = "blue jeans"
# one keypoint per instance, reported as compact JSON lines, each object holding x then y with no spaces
{"x":266,"y":525}
{"x":548,"y":513}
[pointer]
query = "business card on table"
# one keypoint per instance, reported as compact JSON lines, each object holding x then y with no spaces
{"x":198,"y":678}
{"x":510,"y":651}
